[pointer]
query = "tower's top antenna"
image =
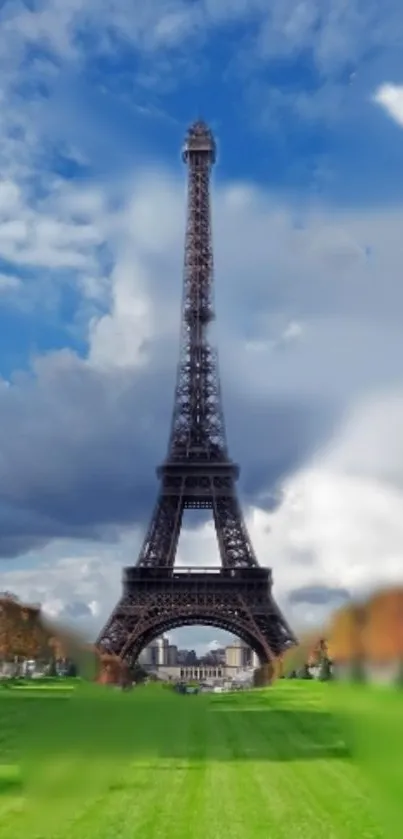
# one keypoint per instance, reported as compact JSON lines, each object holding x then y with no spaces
{"x":199,"y":140}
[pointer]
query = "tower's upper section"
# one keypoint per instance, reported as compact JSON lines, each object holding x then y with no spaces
{"x":199,"y":140}
{"x":197,"y":431}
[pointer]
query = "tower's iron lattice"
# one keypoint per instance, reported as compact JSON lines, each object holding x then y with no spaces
{"x":197,"y":473}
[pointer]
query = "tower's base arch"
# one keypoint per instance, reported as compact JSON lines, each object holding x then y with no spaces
{"x":156,"y":601}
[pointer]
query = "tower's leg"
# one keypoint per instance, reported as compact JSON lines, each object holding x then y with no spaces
{"x":161,"y":541}
{"x":233,"y":539}
{"x":264,"y":675}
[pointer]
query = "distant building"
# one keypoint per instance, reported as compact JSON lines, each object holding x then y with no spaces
{"x":155,"y":654}
{"x":172,"y":655}
{"x":162,"y":645}
{"x":238,"y":655}
{"x":190,"y":658}
{"x":194,"y":673}
{"x":215,"y":666}
{"x":217,"y":656}
{"x":255,"y":660}
{"x":145,"y":657}
{"x":181,"y":656}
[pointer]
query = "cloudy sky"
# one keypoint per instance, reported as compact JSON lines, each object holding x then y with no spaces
{"x":306,"y":101}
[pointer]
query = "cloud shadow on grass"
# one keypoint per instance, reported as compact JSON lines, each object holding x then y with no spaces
{"x":156,"y":730}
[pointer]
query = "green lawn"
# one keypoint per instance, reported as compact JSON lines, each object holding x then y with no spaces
{"x":98,"y":764}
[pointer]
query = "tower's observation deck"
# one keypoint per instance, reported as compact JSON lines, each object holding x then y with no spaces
{"x":199,"y":140}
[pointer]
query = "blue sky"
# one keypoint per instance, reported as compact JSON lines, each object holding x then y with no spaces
{"x":306,"y":102}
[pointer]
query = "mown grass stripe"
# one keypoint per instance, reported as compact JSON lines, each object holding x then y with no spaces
{"x":268,"y":764}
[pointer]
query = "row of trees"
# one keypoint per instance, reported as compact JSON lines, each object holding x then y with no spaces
{"x":26,"y":634}
{"x":23,"y":633}
{"x":370,"y":631}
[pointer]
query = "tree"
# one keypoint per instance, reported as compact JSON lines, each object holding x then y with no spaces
{"x":383,"y":635}
{"x":22,"y":635}
{"x":325,"y":670}
{"x":52,"y":670}
{"x":71,"y":670}
{"x":26,"y":634}
{"x":399,"y":677}
{"x":139,"y":675}
{"x":303,"y":672}
{"x":345,"y":634}
{"x":357,"y":671}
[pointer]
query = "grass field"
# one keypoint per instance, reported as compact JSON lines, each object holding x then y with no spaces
{"x":97,"y":764}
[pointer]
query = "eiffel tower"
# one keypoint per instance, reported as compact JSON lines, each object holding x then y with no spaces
{"x":197,"y":473}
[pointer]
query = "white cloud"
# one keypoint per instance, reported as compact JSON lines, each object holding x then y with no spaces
{"x":9,"y":197}
{"x":337,"y":36}
{"x":56,"y":23}
{"x":117,"y":338}
{"x":342,"y":510}
{"x":341,"y":521}
{"x":70,"y":575}
{"x":213,"y":645}
{"x":293,"y":331}
{"x":9,"y":283}
{"x":340,"y":526}
{"x":314,"y":281}
{"x":390,"y":97}
{"x":42,"y":234}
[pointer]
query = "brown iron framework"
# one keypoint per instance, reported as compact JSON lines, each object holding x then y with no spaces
{"x":197,"y":473}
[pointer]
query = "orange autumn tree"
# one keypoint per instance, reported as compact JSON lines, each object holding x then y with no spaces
{"x":68,"y":644}
{"x":345,"y":634}
{"x":367,"y":631}
{"x":306,"y":652}
{"x":91,"y":663}
{"x":112,"y":670}
{"x":383,"y":632}
{"x":58,"y":648}
{"x":25,"y":633}
{"x":318,"y":651}
{"x":21,"y":632}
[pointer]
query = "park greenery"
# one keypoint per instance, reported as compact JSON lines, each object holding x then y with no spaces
{"x":304,"y":757}
{"x":356,"y":633}
{"x":83,"y":761}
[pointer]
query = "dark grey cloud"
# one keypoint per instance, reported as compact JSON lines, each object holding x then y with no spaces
{"x":79,"y":447}
{"x":77,"y":452}
{"x":79,"y":444}
{"x":76,"y":609}
{"x":318,"y":595}
{"x":273,"y":436}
